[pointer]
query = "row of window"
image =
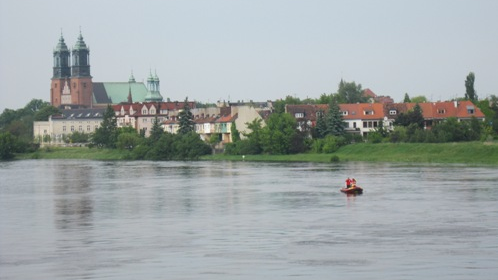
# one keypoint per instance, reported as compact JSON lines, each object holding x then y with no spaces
{"x":80,"y":128}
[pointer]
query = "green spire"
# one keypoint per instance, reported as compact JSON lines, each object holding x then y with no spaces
{"x":80,"y":44}
{"x":61,"y":46}
{"x":132,"y":78}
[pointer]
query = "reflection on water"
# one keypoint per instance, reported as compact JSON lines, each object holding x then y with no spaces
{"x":65,"y":219}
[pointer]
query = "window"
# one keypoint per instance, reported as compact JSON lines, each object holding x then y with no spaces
{"x":354,"y":125}
{"x":64,"y":128}
{"x":299,"y":115}
{"x":87,"y":128}
{"x":393,"y":112}
{"x":144,"y":112}
{"x":84,"y":85}
{"x":368,"y":112}
{"x":441,"y":111}
{"x":364,"y":124}
{"x":470,"y":110}
{"x":80,"y":128}
{"x":344,"y":113}
{"x":72,"y":128}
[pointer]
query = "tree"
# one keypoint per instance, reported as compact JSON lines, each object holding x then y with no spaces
{"x":278,"y":136}
{"x":334,"y":121}
{"x":186,"y":119}
{"x":213,"y":140}
{"x":7,"y":146}
{"x":253,"y":143}
{"x":106,"y":135}
{"x":406,"y":99}
{"x":235,"y":133}
{"x":128,"y":140}
{"x":414,"y":116}
{"x":321,"y":125}
{"x":350,"y":93}
{"x":156,"y":131}
{"x":44,"y":113}
{"x":470,"y":93}
{"x":419,"y":99}
{"x":36,"y":105}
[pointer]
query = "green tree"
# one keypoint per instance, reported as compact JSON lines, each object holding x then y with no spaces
{"x":470,"y":93}
{"x":156,"y":131}
{"x":106,"y":135}
{"x":324,"y":99}
{"x":186,"y":119}
{"x":213,"y":140}
{"x":414,"y":116}
{"x":78,"y":137}
{"x":419,"y":99}
{"x":321,"y":125}
{"x":189,"y":146}
{"x":278,"y":135}
{"x":234,"y":132}
{"x":253,"y":143}
{"x":128,"y":140}
{"x":44,"y":113}
{"x":350,"y":93}
{"x":406,"y":99}
{"x":7,"y":146}
{"x":334,"y":121}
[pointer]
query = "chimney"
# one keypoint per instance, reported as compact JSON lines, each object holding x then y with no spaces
{"x":456,"y":103}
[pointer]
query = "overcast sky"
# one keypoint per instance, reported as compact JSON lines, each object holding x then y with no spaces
{"x":256,"y":49}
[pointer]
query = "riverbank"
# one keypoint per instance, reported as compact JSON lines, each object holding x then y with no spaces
{"x":465,"y":152}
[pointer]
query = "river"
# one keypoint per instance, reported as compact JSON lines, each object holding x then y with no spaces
{"x":81,"y":219}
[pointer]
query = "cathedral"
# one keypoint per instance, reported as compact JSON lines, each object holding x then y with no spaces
{"x":72,"y":86}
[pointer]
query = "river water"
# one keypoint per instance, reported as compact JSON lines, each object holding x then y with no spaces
{"x":78,"y":219}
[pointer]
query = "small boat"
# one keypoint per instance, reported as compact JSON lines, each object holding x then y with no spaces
{"x":352,"y":190}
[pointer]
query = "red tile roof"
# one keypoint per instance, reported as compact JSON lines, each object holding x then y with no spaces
{"x":363,"y":111}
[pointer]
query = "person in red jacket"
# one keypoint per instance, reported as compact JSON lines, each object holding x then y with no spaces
{"x":348,"y":183}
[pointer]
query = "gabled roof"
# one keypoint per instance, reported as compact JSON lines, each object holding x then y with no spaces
{"x":91,"y":113}
{"x":447,"y":109}
{"x":227,"y":119}
{"x":362,"y":111}
{"x":117,"y":92}
{"x":308,"y":111}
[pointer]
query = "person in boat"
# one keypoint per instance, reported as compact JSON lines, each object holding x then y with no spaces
{"x":348,"y":183}
{"x":353,"y":183}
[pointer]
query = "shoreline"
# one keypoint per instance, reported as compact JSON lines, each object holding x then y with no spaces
{"x":472,"y":153}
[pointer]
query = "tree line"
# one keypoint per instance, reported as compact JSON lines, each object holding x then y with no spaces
{"x":279,"y":135}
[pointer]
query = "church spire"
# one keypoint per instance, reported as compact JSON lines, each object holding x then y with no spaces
{"x":81,"y":59}
{"x":130,"y":99}
{"x":61,"y":59}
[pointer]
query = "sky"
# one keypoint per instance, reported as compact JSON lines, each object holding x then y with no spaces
{"x":242,"y":50}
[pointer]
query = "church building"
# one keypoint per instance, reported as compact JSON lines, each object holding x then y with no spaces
{"x":72,"y":86}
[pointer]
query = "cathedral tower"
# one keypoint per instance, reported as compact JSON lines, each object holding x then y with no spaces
{"x":81,"y":82}
{"x":61,"y":70}
{"x":71,"y":85}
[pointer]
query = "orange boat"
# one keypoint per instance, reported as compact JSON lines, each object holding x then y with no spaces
{"x":352,"y":190}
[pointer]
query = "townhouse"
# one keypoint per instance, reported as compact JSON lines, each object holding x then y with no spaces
{"x":363,"y":118}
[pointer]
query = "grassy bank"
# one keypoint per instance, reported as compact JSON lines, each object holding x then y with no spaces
{"x":75,"y":153}
{"x":468,"y":153}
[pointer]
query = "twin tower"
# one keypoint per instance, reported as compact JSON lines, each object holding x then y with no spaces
{"x":71,"y":81}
